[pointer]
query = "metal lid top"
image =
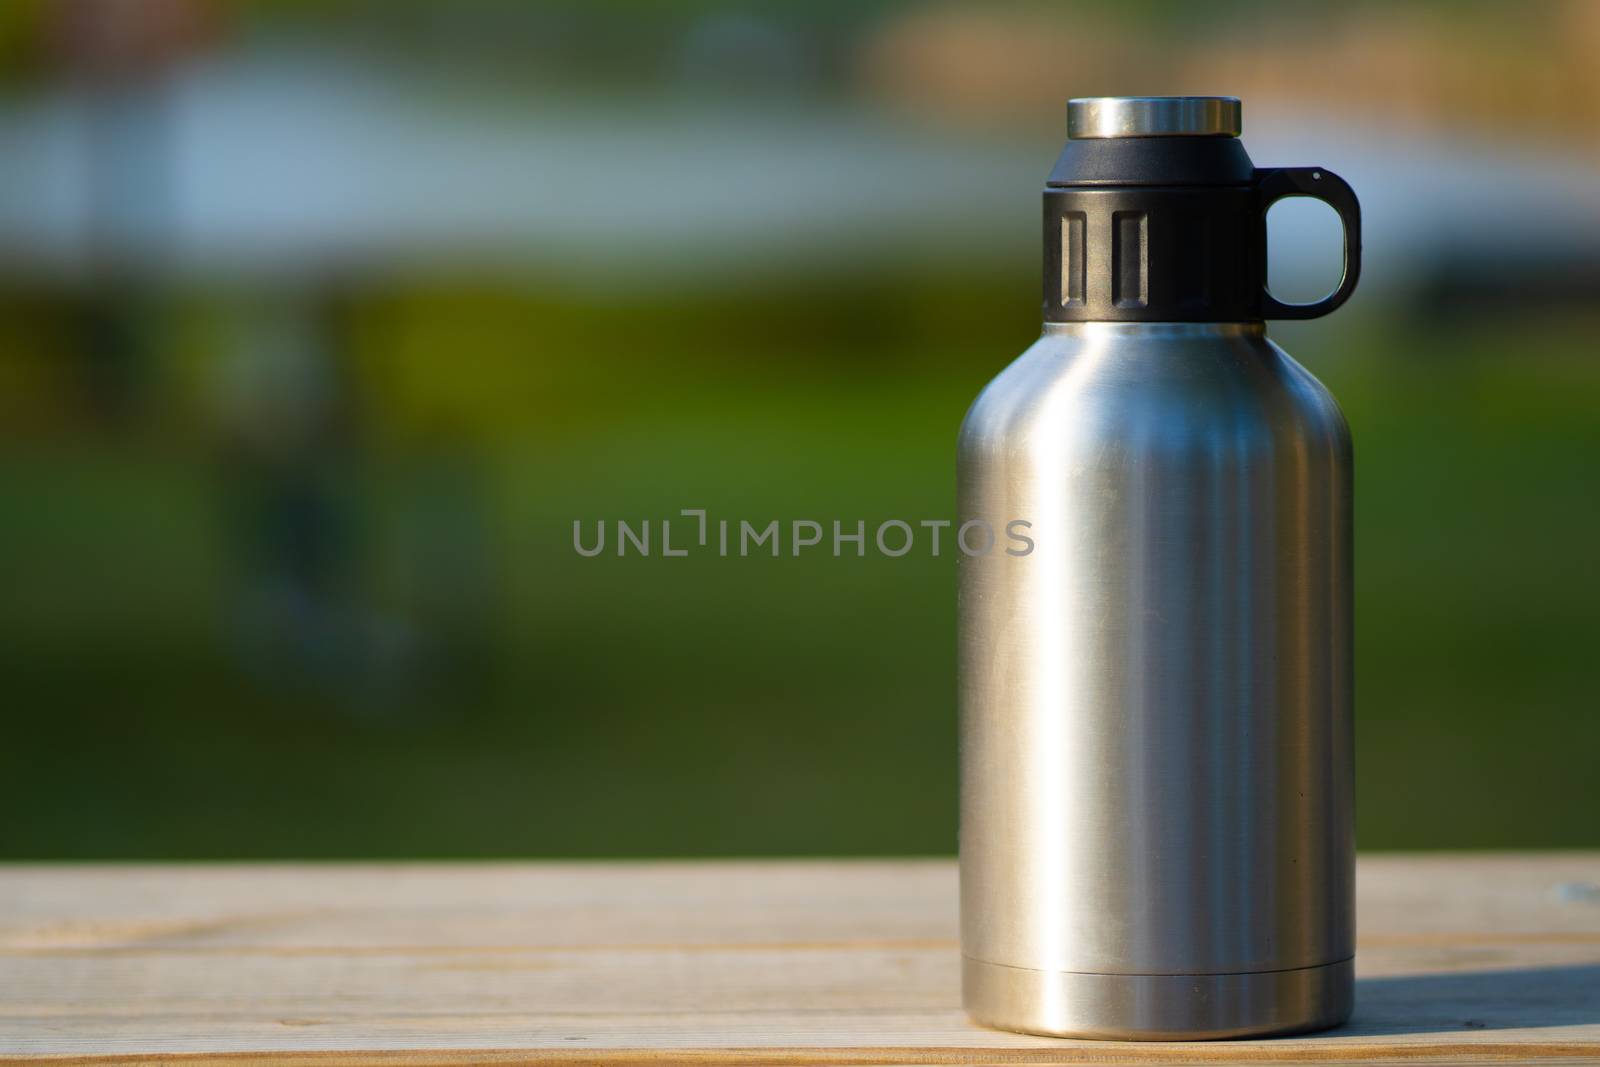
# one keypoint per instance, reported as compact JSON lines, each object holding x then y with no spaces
{"x":1101,"y":117}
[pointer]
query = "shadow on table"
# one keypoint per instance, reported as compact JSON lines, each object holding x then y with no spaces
{"x":1477,"y":1000}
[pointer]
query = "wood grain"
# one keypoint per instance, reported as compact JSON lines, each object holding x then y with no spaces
{"x":1484,"y":958}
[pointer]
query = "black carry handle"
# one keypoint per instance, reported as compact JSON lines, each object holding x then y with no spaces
{"x":1275,"y":183}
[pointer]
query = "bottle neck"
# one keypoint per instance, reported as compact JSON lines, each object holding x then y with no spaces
{"x":1155,"y":329}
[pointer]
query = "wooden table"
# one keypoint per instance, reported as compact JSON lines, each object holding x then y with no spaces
{"x":1462,"y":958}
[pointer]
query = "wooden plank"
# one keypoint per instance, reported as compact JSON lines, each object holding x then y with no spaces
{"x":1461,"y":958}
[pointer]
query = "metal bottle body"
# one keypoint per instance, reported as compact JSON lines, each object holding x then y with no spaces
{"x":1157,"y":825}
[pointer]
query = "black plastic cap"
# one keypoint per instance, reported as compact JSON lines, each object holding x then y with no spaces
{"x":1152,"y":227}
{"x":1152,"y":161}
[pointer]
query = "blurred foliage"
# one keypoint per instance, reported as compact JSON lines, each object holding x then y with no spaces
{"x":1464,"y":64}
{"x":286,"y":558}
{"x":544,"y":704}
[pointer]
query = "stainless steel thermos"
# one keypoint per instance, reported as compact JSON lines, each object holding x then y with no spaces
{"x":1157,"y":825}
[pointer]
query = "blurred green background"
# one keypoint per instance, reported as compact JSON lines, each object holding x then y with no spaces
{"x":321,"y":322}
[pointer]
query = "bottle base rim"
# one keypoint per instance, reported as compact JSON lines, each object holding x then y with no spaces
{"x":1145,"y":1007}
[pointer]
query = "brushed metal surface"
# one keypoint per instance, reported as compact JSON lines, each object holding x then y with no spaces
{"x":1156,"y":702}
{"x":1163,"y":1007}
{"x":1096,"y":117}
